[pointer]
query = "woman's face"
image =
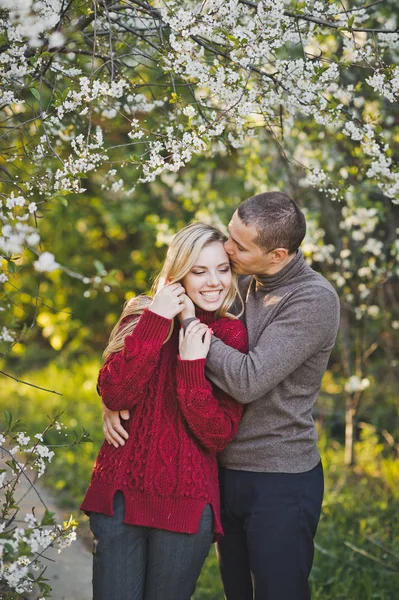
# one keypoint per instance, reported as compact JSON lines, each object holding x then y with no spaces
{"x":209,"y":280}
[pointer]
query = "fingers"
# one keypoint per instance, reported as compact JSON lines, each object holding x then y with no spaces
{"x":168,"y":301}
{"x":188,"y":303}
{"x":114,"y":432}
{"x":207,"y":339}
{"x":177,"y":287}
{"x":195,"y":328}
{"x":125,"y":415}
{"x":179,"y":291}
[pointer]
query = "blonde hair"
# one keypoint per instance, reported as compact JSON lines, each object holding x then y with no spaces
{"x":182,"y":255}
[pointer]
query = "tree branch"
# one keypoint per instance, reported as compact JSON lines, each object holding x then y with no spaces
{"x":318,"y":21}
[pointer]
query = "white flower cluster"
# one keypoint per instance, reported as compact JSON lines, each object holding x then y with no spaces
{"x":32,"y":19}
{"x":90,"y":91}
{"x":355,"y":384}
{"x":84,"y":161}
{"x":386,"y":83}
{"x":21,"y":546}
{"x":389,"y":40}
{"x":171,"y":154}
{"x":46,"y":263}
{"x":15,"y":236}
{"x":189,"y":79}
{"x":7,"y":335}
{"x":360,"y":262}
{"x":381,"y":169}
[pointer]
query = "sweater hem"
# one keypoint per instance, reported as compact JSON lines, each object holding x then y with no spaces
{"x":181,"y":515}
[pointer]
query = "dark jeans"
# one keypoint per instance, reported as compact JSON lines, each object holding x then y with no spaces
{"x":269,"y":520}
{"x":141,"y":563}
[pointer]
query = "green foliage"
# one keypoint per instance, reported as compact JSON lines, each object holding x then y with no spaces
{"x":357,"y":551}
{"x":71,"y":467}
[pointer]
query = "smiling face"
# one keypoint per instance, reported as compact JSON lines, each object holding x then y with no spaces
{"x":210,"y":278}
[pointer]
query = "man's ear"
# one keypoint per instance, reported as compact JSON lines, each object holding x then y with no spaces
{"x":279,"y":254}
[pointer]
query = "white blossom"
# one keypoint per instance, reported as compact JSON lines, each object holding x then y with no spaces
{"x":355,"y":384}
{"x":46,"y":263}
{"x":56,"y":40}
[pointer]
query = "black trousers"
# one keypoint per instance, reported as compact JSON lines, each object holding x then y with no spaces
{"x":269,"y":521}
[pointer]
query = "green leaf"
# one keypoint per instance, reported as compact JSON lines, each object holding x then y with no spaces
{"x":99,"y":267}
{"x":48,"y":518}
{"x":351,"y":21}
{"x":13,"y":465}
{"x":8,"y":416}
{"x":82,"y":175}
{"x":12,"y":267}
{"x":9,"y":549}
{"x":112,"y":277}
{"x":35,"y":93}
{"x":85,"y":436}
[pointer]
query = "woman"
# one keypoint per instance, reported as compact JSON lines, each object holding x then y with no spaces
{"x":154,"y":503}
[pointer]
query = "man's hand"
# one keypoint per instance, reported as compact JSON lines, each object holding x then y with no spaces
{"x":114,"y":431}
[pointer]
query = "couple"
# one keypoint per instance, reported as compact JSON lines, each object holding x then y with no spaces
{"x":198,"y":388}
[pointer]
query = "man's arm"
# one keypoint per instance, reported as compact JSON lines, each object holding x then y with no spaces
{"x":305,"y":325}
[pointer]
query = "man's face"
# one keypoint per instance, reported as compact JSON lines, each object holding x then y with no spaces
{"x":246,"y":257}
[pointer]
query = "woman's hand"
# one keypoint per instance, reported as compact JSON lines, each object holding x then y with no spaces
{"x":195,"y":341}
{"x":188,"y":310}
{"x":169,"y":301}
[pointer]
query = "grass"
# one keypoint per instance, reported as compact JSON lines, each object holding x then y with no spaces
{"x":357,"y":546}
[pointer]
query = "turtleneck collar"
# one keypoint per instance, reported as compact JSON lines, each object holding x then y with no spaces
{"x":205,"y":316}
{"x":267,"y":283}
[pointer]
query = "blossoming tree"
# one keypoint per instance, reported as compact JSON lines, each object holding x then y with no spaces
{"x":116,"y":95}
{"x":178,"y":79}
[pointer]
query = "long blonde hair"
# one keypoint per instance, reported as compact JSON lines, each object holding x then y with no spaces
{"x":181,"y":256}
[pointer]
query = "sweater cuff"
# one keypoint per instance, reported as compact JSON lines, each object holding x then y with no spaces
{"x":152,"y":326}
{"x":192,"y":372}
{"x":187,"y":322}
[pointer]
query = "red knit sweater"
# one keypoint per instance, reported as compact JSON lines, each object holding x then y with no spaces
{"x":179,"y":421}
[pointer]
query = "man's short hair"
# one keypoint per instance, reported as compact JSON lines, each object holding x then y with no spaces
{"x":279,"y":221}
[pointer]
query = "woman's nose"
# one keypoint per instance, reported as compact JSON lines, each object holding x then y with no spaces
{"x":213,"y":279}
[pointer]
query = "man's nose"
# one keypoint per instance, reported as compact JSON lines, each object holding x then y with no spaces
{"x":228,"y":246}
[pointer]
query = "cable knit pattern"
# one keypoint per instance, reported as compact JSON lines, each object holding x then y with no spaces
{"x":167,"y":469}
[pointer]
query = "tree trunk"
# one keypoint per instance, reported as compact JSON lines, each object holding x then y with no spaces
{"x":350,"y":412}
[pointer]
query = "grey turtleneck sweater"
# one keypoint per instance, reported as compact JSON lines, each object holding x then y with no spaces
{"x":292,"y":319}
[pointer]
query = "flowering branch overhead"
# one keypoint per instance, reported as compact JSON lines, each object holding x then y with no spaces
{"x":179,"y":79}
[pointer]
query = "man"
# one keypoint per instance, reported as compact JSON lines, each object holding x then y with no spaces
{"x":270,"y":475}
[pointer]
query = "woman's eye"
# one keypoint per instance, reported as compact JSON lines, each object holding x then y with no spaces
{"x":226,"y":270}
{"x":198,"y":272}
